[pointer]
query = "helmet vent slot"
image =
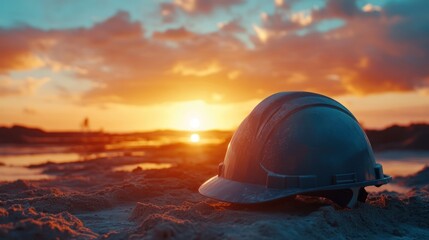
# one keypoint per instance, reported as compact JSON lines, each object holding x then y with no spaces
{"x":344,"y":178}
{"x":286,"y":181}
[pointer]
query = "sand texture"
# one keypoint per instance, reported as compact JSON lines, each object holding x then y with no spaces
{"x":89,"y":200}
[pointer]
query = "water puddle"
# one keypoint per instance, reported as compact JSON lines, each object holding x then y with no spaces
{"x":143,"y":166}
{"x":29,"y":159}
{"x":8,"y":173}
{"x":402,"y":163}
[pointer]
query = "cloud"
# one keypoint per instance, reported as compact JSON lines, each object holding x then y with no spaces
{"x":370,"y":53}
{"x":204,"y":6}
{"x":233,"y":26}
{"x":29,"y":111}
{"x":278,"y":2}
{"x":202,"y":71}
{"x":370,"y":8}
{"x":341,"y":8}
{"x":174,"y":34}
{"x":17,"y":48}
{"x":20,"y":87}
{"x":374,"y":51}
{"x":302,"y":18}
{"x":262,"y":34}
{"x":170,"y":10}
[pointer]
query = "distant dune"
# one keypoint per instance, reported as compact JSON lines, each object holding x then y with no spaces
{"x":17,"y":134}
{"x":412,"y":137}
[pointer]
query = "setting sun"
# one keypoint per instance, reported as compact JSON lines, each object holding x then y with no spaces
{"x":195,"y":137}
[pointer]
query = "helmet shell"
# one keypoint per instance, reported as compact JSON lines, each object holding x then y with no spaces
{"x":293,"y":143}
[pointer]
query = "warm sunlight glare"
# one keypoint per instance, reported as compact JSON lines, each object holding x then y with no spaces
{"x":194,"y":123}
{"x":195,"y":137}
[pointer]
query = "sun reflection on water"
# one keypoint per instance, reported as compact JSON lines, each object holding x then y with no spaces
{"x":194,"y":138}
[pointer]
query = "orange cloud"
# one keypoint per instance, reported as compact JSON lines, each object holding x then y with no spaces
{"x":17,"y":48}
{"x":204,"y":6}
{"x":188,"y":69}
{"x":303,"y":18}
{"x":233,"y":26}
{"x":174,"y":34}
{"x":370,"y":8}
{"x":29,"y":111}
{"x":373,"y":52}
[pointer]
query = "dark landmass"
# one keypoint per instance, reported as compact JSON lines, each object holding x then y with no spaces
{"x":24,"y":135}
{"x":93,"y":142}
{"x":411,"y":137}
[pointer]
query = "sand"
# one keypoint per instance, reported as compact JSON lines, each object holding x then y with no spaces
{"x":89,"y":200}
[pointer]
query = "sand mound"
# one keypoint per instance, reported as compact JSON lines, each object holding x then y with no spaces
{"x":18,"y":222}
{"x":18,"y":185}
{"x":55,"y":201}
{"x":383,"y":216}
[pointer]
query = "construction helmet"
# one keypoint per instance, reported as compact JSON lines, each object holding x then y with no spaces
{"x":297,"y":143}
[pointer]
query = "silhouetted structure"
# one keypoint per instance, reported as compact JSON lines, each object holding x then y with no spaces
{"x":85,"y":153}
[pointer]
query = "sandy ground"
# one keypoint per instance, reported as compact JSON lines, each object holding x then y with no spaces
{"x":89,"y":200}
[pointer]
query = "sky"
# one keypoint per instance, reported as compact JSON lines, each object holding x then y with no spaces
{"x":205,"y":64}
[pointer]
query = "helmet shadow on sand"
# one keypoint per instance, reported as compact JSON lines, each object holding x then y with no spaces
{"x":298,"y":205}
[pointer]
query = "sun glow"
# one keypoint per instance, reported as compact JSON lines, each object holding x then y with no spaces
{"x":194,"y":123}
{"x":195,"y":137}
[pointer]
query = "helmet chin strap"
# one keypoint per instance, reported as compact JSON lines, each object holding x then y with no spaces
{"x":346,"y":198}
{"x":354,"y":198}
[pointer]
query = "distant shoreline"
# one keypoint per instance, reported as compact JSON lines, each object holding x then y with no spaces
{"x":396,"y":137}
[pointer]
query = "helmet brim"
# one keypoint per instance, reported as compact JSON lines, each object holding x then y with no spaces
{"x":226,"y":190}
